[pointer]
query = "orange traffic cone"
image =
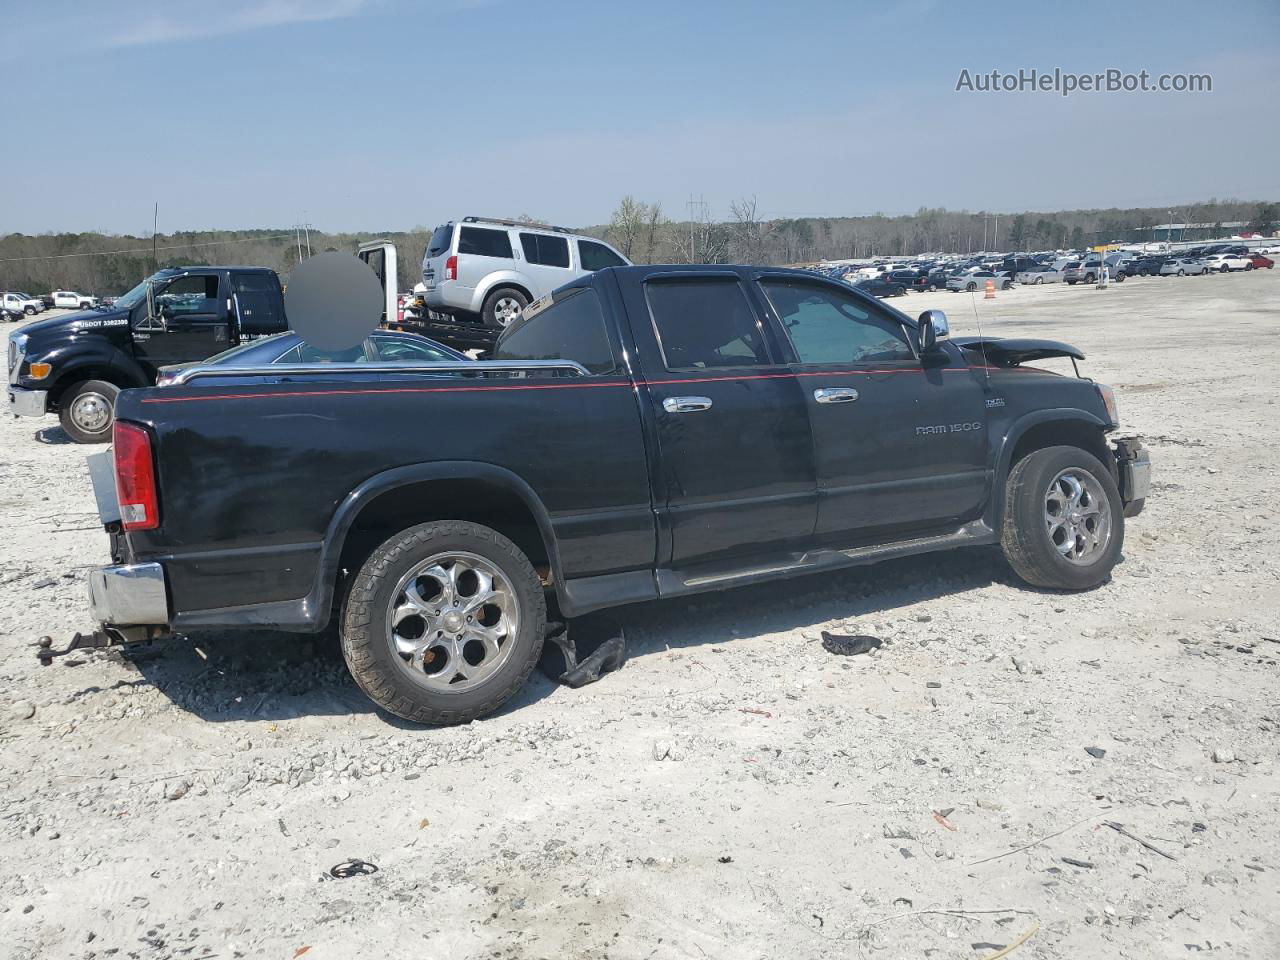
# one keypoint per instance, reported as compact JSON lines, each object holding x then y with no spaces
{"x":991,"y":291}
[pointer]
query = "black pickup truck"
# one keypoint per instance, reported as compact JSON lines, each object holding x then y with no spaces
{"x":76,"y":364}
{"x":643,"y":432}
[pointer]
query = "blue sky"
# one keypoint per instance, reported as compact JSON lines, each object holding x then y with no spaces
{"x":388,"y":114}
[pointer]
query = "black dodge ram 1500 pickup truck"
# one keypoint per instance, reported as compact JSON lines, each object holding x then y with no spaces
{"x":76,"y":364}
{"x":643,"y":432}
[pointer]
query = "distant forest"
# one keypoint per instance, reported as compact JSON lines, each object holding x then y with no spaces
{"x":102,"y":264}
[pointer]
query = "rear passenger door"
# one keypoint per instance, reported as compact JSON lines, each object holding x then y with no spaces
{"x":734,"y":472}
{"x":481,"y":251}
{"x":546,"y":261}
{"x":899,"y":444}
{"x":259,"y":304}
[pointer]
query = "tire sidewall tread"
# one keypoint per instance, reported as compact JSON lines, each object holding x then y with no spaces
{"x":1027,"y":548}
{"x":367,"y":650}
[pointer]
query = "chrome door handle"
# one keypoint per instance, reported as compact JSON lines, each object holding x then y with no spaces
{"x":686,"y":404}
{"x":835,"y":394}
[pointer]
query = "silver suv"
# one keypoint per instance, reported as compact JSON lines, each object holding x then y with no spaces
{"x":493,"y":269}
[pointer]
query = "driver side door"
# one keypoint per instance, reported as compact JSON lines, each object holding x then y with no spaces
{"x":899,"y":443}
{"x":188,"y":321}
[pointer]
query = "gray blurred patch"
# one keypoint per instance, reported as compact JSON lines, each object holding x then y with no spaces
{"x":333,"y":301}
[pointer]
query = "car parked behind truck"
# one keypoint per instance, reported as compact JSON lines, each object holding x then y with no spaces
{"x":75,"y":365}
{"x":486,"y":271}
{"x":643,"y":432}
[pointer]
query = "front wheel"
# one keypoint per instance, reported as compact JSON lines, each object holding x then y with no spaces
{"x":1182,"y":273}
{"x":1063,"y":519}
{"x":29,"y":311}
{"x":1090,"y":278}
{"x":88,"y":410}
{"x":972,"y":287}
{"x":503,"y":307}
{"x":1248,"y":267}
{"x":1039,"y":281}
{"x":444,"y":622}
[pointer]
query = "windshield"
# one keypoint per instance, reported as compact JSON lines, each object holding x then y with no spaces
{"x":134,"y":297}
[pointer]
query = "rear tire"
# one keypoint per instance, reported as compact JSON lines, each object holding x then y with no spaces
{"x":404,"y":682}
{"x":88,"y":410}
{"x":503,"y":307}
{"x":971,"y":287}
{"x":1052,"y":540}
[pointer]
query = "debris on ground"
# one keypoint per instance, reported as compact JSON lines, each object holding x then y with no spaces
{"x":849,"y":646}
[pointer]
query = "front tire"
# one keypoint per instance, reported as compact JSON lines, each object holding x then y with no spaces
{"x":444,"y":622}
{"x":1063,"y":519}
{"x":29,"y":311}
{"x":971,"y":287}
{"x":503,"y":307}
{"x":88,"y":410}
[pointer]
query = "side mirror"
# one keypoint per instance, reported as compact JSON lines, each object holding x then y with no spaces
{"x":932,"y":331}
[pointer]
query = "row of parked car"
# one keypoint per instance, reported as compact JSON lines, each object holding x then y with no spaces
{"x":15,"y":304}
{"x":887,"y":279}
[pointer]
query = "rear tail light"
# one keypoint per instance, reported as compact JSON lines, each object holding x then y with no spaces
{"x":451,"y":268}
{"x":135,"y":477}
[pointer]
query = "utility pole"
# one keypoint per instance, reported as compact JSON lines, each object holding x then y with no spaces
{"x":995,"y":234}
{"x":155,"y":222}
{"x":692,"y":257}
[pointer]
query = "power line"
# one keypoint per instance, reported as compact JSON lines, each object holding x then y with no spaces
{"x":176,"y":246}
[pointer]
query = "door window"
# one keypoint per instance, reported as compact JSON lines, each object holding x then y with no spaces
{"x":484,"y":243}
{"x":705,"y":323}
{"x":826,"y":326}
{"x":393,"y":349}
{"x":186,"y":295}
{"x":571,"y":328}
{"x":545,"y":251}
{"x":306,"y":353}
{"x":596,"y":256}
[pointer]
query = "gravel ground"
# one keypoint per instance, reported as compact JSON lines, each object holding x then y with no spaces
{"x":734,"y":791}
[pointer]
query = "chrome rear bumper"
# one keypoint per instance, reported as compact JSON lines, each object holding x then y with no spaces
{"x":129,"y":595}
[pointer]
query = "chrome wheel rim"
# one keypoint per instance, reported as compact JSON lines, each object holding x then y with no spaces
{"x":507,"y":310}
{"x":91,"y":412}
{"x":452,"y":621}
{"x":1077,"y":516}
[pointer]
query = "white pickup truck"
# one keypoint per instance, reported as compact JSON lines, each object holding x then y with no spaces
{"x":18,"y":302}
{"x":76,"y":301}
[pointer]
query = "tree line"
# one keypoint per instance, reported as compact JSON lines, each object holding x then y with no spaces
{"x":101,"y":264}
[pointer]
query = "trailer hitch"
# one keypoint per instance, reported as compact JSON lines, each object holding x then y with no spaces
{"x":81,"y":641}
{"x":100,"y":638}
